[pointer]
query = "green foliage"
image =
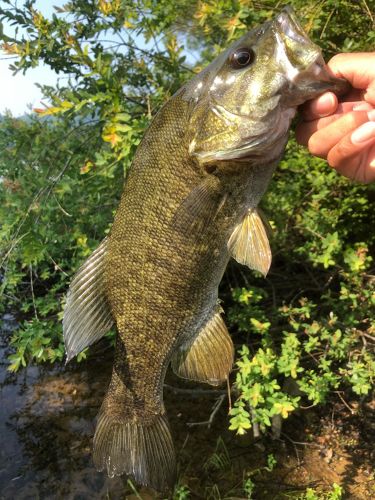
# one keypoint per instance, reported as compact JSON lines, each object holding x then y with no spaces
{"x":307,"y":330}
{"x":335,"y":494}
{"x":53,"y":214}
{"x":249,"y":485}
{"x":219,"y":460}
{"x":316,"y":334}
{"x":181,"y":493}
{"x":33,"y":341}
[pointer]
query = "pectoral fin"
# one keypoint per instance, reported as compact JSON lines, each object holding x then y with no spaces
{"x":249,"y":243}
{"x":87,"y":316}
{"x":200,"y":207}
{"x":209,"y":358}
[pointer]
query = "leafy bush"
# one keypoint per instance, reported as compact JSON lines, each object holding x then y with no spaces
{"x":307,"y":330}
{"x":310,"y":328}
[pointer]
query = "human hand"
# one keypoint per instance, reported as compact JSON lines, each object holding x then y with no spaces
{"x":343,"y":132}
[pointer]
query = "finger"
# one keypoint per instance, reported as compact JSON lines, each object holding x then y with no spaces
{"x":359,"y":69}
{"x":356,"y":67}
{"x":335,"y":125}
{"x":361,"y":106}
{"x":305,"y":129}
{"x":342,"y":109}
{"x":354,"y":155}
{"x":353,"y":95}
{"x":323,"y":105}
{"x":322,"y":141}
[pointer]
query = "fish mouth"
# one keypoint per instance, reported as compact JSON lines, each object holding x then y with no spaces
{"x":289,"y":25}
{"x":310,"y":78}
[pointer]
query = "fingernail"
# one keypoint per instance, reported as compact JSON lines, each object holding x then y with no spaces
{"x":327,"y":101}
{"x":364,"y":106}
{"x":363,"y":133}
{"x":371,"y":115}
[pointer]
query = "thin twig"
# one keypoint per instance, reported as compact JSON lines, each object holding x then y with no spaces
{"x":256,"y":431}
{"x":32,"y":291}
{"x":314,"y":445}
{"x":134,"y":489}
{"x":326,"y":23}
{"x":56,"y":265}
{"x":368,"y":10}
{"x":294,"y":446}
{"x":12,"y":247}
{"x":193,"y":392}
{"x":185,"y":442}
{"x":149,"y":114}
{"x":229,"y":396}
{"x":61,"y":208}
{"x":345,"y":403}
{"x":215,"y":409}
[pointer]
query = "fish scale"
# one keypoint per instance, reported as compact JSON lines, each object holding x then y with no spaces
{"x":189,"y":204}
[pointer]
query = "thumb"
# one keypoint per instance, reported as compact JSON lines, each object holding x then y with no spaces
{"x":359,"y":69}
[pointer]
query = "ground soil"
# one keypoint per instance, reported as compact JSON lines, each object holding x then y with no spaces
{"x":317,"y":447}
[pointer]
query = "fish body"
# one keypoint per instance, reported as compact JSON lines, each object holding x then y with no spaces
{"x":188,"y":205}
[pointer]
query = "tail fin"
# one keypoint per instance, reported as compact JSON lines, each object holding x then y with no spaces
{"x":144,"y":452}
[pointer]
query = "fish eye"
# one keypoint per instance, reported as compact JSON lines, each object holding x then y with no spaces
{"x":241,"y":58}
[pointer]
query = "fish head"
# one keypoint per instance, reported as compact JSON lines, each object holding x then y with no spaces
{"x":242,"y":104}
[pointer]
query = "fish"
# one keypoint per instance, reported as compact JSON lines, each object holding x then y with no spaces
{"x":189,"y":204}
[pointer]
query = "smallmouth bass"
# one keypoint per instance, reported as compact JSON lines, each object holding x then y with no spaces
{"x":188,"y":205}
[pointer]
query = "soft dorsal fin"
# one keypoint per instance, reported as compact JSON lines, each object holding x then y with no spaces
{"x":87,"y":316}
{"x":249,"y":243}
{"x":209,"y":357}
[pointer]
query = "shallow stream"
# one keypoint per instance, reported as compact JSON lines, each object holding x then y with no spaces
{"x":47,"y":417}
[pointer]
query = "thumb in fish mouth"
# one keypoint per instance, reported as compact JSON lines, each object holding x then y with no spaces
{"x":302,"y":61}
{"x":313,"y":82}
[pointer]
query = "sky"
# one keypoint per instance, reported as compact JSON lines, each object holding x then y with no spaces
{"x":19,"y":93}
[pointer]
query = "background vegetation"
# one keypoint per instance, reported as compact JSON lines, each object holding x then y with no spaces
{"x":304,"y":334}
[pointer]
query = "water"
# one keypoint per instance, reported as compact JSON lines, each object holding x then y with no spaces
{"x":47,"y":418}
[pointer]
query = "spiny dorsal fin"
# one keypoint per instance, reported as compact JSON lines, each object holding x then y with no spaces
{"x":209,"y":358}
{"x":87,"y":316}
{"x":249,"y":243}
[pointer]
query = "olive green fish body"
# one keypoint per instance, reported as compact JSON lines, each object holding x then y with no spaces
{"x":188,"y":205}
{"x":162,"y":279}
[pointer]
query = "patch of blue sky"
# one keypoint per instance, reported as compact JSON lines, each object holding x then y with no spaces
{"x":20,"y":93}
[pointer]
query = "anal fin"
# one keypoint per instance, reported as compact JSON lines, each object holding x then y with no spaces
{"x":87,"y":316}
{"x":249,"y":243}
{"x":209,"y":358}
